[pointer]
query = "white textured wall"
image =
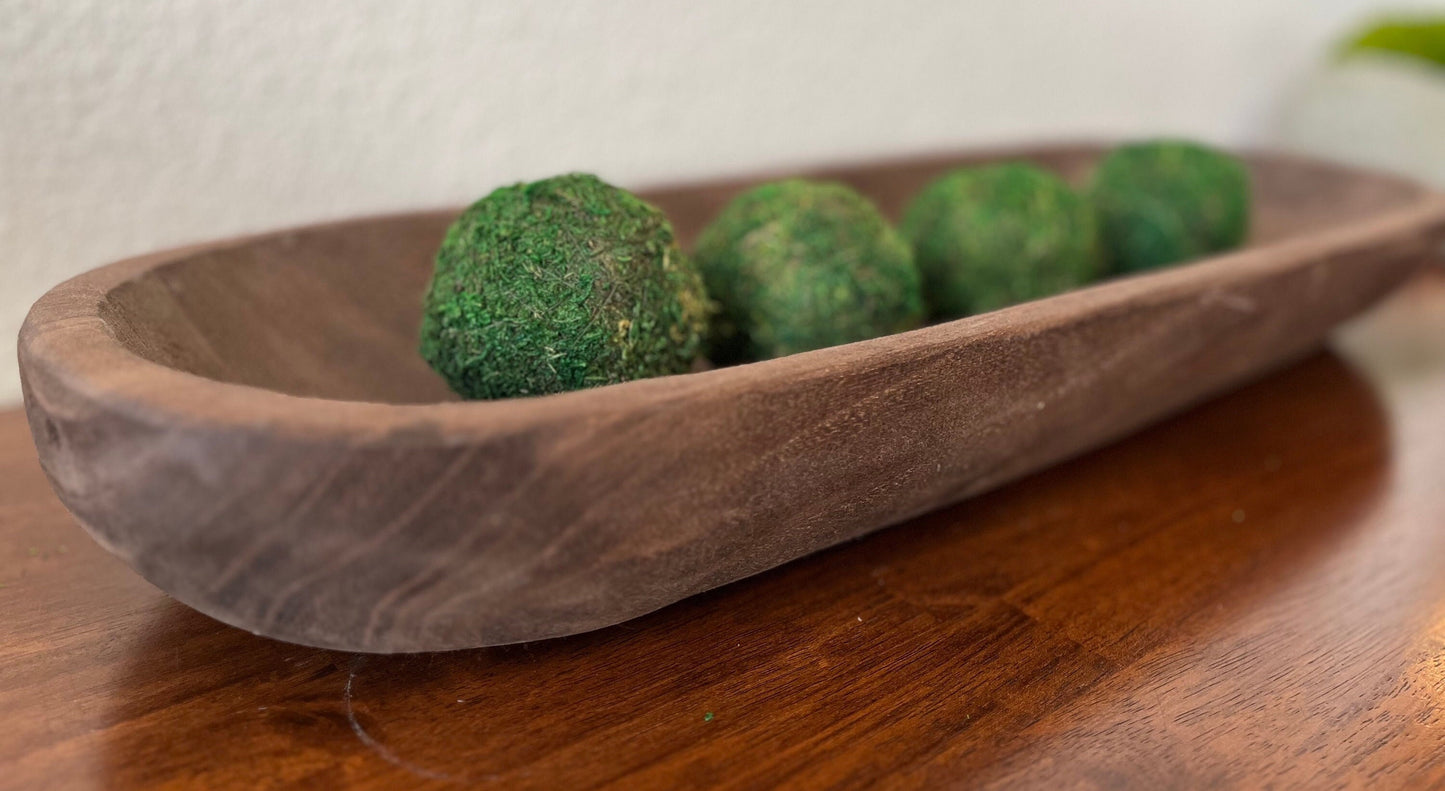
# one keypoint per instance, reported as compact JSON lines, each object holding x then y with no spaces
{"x":129,"y":126}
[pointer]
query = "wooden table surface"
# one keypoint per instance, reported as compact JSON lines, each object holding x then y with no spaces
{"x":1252,"y":594}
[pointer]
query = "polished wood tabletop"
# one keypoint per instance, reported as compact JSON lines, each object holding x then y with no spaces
{"x":1249,"y":595}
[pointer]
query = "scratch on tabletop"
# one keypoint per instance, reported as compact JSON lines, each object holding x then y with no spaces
{"x":380,"y":749}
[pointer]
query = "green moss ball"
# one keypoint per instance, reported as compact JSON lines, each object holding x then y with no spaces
{"x":799,"y":265}
{"x":992,"y":236}
{"x":1166,"y":201}
{"x":558,"y":285}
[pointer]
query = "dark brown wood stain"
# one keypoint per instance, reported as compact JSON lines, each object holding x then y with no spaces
{"x":1250,"y":595}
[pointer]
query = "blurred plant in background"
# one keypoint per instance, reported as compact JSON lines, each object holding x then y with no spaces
{"x":1380,"y":101}
{"x":1419,"y":38}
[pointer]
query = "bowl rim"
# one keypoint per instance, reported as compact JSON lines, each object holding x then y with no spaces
{"x":67,"y":339}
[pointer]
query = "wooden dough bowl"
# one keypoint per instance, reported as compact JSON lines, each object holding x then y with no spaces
{"x":248,"y":424}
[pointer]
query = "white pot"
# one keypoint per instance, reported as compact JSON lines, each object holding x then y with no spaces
{"x":1378,"y":110}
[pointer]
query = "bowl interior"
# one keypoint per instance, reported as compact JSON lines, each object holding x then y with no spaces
{"x":332,"y":311}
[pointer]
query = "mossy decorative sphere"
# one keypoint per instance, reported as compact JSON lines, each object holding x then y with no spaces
{"x":1165,"y":201}
{"x":799,"y":265}
{"x":987,"y":237}
{"x":558,"y":285}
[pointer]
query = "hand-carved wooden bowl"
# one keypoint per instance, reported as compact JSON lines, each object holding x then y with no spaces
{"x":248,"y":423}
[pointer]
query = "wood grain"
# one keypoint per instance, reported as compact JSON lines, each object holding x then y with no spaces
{"x":248,"y":425}
{"x":1251,"y":595}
